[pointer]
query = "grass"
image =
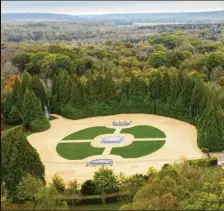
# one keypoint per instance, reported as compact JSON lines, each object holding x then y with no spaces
{"x":138,"y":149}
{"x":89,"y":133}
{"x":77,"y":151}
{"x":144,"y":131}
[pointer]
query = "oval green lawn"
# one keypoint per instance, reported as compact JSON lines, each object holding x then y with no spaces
{"x":77,"y":151}
{"x":138,"y":149}
{"x":89,"y":133}
{"x":144,"y":131}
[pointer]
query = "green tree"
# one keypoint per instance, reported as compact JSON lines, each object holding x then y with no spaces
{"x":32,"y":112}
{"x":34,"y":65}
{"x":20,"y":60}
{"x":28,"y":188}
{"x":158,"y":59}
{"x":211,"y":127}
{"x":39,"y":90}
{"x":47,"y":199}
{"x":58,"y":183}
{"x":106,"y":181}
{"x":67,"y":90}
{"x":16,"y":149}
{"x":14,"y":116}
{"x":26,"y":82}
{"x":213,"y":60}
{"x":17,"y":94}
{"x":54,"y":63}
{"x":7,"y":105}
{"x":72,"y":188}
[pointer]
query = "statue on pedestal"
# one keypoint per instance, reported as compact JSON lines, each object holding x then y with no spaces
{"x":46,"y":112}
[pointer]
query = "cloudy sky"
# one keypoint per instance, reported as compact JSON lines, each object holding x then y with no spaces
{"x":108,"y":7}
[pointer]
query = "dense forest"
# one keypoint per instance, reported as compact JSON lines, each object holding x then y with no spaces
{"x":98,"y":32}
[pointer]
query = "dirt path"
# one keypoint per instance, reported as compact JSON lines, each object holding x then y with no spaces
{"x":180,"y":143}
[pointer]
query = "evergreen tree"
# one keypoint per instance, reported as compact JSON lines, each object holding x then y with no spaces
{"x":7,"y":105}
{"x":76,"y":97}
{"x":91,"y":88}
{"x":100,"y":87}
{"x":14,"y":116}
{"x":33,"y":115}
{"x":26,"y":82}
{"x":15,"y":150}
{"x":67,"y":91}
{"x":62,"y":78}
{"x":55,"y":85}
{"x":17,"y":94}
{"x":211,"y":127}
{"x":165,"y":86}
{"x":197,"y":96}
{"x":39,"y":90}
{"x":110,"y":88}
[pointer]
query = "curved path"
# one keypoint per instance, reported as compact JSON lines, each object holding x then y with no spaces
{"x":180,"y":144}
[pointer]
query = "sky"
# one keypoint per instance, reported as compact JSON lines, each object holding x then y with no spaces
{"x":108,"y":7}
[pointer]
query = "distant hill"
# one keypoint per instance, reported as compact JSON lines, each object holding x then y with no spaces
{"x":187,"y":17}
{"x":39,"y":16}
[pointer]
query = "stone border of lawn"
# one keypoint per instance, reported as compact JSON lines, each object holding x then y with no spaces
{"x":144,"y":131}
{"x":77,"y":151}
{"x":138,"y":149}
{"x":89,"y":133}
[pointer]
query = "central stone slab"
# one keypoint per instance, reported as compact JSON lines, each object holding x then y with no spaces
{"x":112,"y":140}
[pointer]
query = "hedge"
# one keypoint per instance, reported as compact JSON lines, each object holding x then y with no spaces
{"x":204,"y":162}
{"x":95,"y":199}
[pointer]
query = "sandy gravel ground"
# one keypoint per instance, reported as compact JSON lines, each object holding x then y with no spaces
{"x":180,"y":144}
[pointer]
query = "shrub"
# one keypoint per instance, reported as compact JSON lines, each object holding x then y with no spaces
{"x":204,"y":162}
{"x":132,"y":183}
{"x":165,"y":165}
{"x":28,"y":187}
{"x":58,"y":183}
{"x":151,"y":172}
{"x":73,"y":188}
{"x":71,"y":112}
{"x":88,"y":187}
{"x":39,"y":125}
{"x":88,"y":201}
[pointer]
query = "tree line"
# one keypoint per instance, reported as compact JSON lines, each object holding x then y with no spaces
{"x":165,"y":92}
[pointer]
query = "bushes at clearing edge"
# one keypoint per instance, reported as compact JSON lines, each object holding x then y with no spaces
{"x":204,"y":162}
{"x":88,"y":187}
{"x":39,"y":125}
